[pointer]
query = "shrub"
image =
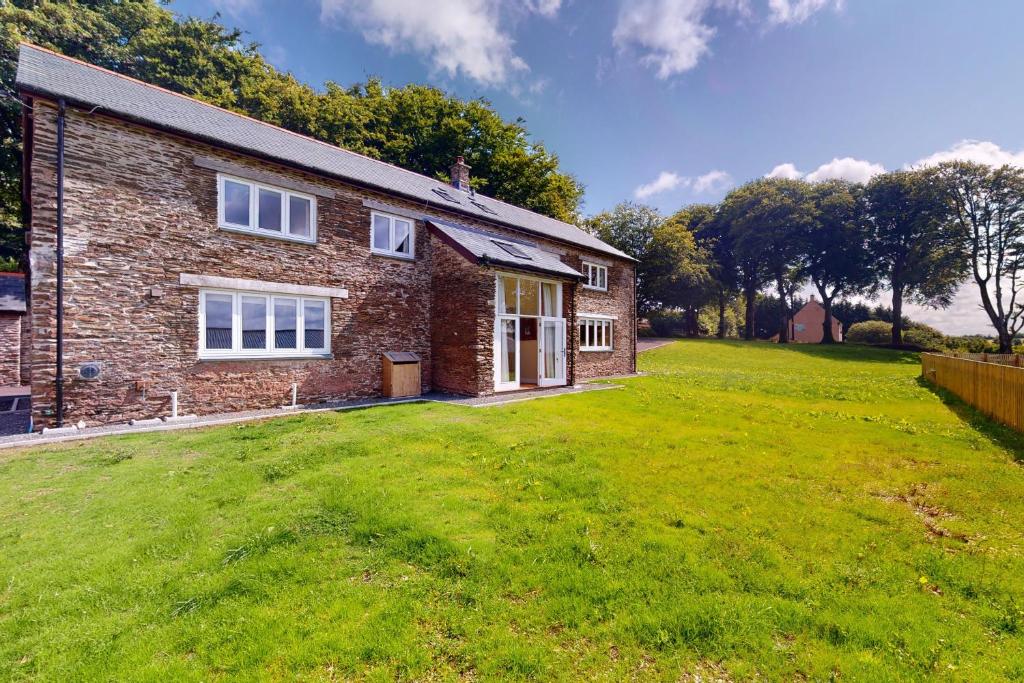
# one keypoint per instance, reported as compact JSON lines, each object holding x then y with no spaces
{"x":666,"y":323}
{"x":874,"y":332}
{"x":972,"y":344}
{"x":879,"y":333}
{"x":924,"y":337}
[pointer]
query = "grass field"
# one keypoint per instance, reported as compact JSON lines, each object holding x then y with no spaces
{"x":742,"y":511}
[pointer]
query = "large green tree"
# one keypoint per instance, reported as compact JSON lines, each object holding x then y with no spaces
{"x":988,"y":209}
{"x":417,"y":127}
{"x":768,"y":220}
{"x":918,"y":252}
{"x":684,"y":265}
{"x":836,"y":258}
{"x":630,"y":228}
{"x":713,"y":237}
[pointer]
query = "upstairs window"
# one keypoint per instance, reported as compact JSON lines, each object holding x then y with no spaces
{"x":391,"y":235}
{"x":597,"y":276}
{"x":247,"y":206}
{"x":236,"y":324}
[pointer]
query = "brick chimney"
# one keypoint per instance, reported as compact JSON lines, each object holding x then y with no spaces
{"x":460,"y":174}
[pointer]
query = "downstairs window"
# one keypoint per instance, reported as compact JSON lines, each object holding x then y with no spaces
{"x":595,"y":334}
{"x":234,"y":324}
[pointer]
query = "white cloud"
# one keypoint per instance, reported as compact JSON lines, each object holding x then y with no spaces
{"x":847,"y":168}
{"x":457,"y":36}
{"x":711,"y":181}
{"x":547,"y":8}
{"x":668,"y":181}
{"x":665,"y":181}
{"x":788,"y":171}
{"x":797,"y":11}
{"x":978,"y":151}
{"x":670,"y":34}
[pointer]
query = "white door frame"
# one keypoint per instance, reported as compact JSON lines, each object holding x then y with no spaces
{"x":500,"y":315}
{"x":499,"y":383}
{"x":559,"y":379}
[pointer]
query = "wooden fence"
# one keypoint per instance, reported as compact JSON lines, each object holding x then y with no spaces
{"x":1014,"y":359}
{"x":995,"y":389}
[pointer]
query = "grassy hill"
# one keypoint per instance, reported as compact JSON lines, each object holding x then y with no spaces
{"x":742,"y":510}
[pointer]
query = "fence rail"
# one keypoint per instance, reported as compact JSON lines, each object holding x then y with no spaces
{"x":1014,"y":359}
{"x":996,"y":389}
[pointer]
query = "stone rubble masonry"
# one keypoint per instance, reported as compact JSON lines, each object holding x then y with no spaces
{"x":10,"y":348}
{"x":139,"y":212}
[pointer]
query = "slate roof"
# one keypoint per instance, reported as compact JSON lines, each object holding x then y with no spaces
{"x":47,"y":73}
{"x":483,"y":247}
{"x":12,"y":292}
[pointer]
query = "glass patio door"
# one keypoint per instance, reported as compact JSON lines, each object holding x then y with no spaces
{"x":551,"y":349}
{"x":506,"y":333}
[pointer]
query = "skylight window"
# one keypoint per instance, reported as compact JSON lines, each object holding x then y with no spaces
{"x":513,"y":250}
{"x":484,"y":208}
{"x":443,"y":194}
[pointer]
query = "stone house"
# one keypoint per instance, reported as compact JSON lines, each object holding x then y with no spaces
{"x":203,"y":252}
{"x":12,"y":318}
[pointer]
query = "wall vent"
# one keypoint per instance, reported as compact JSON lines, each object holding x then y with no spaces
{"x":89,"y":370}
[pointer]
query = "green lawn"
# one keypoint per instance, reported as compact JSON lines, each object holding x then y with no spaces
{"x":744,"y":510}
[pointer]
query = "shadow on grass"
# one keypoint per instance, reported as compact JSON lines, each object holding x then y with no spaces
{"x":994,"y":431}
{"x":860,"y":353}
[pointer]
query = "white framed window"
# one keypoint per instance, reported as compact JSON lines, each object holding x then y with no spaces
{"x":247,"y":206}
{"x":239,"y":324}
{"x":392,"y":235}
{"x":597,"y":276}
{"x":595,"y":333}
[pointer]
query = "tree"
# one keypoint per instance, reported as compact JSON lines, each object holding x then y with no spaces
{"x":836,"y":258}
{"x":714,"y":238}
{"x":768,"y":220}
{"x":914,"y":246}
{"x":988,"y":210}
{"x":416,"y":127}
{"x":630,"y":228}
{"x":684,"y":279}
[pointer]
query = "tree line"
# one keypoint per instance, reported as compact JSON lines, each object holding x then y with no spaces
{"x":917,"y":233}
{"x":417,"y":127}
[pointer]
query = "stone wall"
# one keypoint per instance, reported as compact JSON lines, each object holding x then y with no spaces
{"x":618,"y":302}
{"x":139,"y":212}
{"x":10,"y":348}
{"x":462,"y":335}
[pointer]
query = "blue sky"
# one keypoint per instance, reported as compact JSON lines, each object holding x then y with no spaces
{"x":675,"y":101}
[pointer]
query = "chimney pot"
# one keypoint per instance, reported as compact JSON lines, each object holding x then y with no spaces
{"x":460,"y":174}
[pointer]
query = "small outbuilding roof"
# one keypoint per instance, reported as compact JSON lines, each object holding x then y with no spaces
{"x":12,"y":292}
{"x":45,"y":73}
{"x":488,"y":248}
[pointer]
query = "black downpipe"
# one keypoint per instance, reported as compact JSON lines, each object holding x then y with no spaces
{"x":636,"y":317}
{"x":59,"y":383}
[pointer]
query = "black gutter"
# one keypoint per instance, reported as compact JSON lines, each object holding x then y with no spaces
{"x":59,"y":382}
{"x":323,"y":174}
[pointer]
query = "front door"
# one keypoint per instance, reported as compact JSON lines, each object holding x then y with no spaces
{"x":551,"y":351}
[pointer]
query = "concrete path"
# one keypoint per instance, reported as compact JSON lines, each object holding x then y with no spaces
{"x":192,"y":422}
{"x":648,"y":343}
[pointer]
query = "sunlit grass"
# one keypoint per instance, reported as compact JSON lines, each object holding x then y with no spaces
{"x":742,"y":510}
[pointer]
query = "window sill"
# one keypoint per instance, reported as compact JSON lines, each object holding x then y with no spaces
{"x":269,"y":235}
{"x":596,"y":350}
{"x":595,"y":289}
{"x":391,"y":254}
{"x":268,"y":356}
